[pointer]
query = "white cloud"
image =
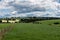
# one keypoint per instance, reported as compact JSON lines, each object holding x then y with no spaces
{"x":14,"y":12}
{"x":28,"y":7}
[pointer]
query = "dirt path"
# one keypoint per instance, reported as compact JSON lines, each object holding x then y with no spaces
{"x":5,"y":30}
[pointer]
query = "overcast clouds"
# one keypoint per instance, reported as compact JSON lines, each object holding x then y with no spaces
{"x":23,"y":8}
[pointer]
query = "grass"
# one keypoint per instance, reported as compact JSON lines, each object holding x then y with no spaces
{"x":30,"y":31}
{"x":4,"y":25}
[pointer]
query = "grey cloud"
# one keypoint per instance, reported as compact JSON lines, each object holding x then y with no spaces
{"x":58,"y":1}
{"x":26,"y":7}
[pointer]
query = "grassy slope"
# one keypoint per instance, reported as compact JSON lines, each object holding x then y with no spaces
{"x":29,"y":31}
{"x":3,"y":25}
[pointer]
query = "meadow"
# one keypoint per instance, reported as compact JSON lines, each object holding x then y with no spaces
{"x":4,"y":25}
{"x":45,"y":30}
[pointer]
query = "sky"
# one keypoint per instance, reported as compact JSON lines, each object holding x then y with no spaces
{"x":28,"y":8}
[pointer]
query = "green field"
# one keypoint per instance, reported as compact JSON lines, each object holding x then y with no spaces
{"x":30,"y":31}
{"x":4,"y":25}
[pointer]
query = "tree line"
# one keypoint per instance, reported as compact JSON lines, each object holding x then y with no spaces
{"x":29,"y":19}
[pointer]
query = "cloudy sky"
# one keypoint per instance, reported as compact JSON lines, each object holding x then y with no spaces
{"x":27,"y":8}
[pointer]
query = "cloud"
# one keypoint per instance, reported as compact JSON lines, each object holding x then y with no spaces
{"x":14,"y":12}
{"x":31,"y":8}
{"x":25,"y":7}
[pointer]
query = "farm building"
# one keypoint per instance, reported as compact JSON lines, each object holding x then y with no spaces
{"x":10,"y":21}
{"x":14,"y":21}
{"x":4,"y":21}
{"x":17,"y":20}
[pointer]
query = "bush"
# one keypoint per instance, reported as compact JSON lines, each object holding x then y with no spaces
{"x":56,"y":23}
{"x":49,"y":24}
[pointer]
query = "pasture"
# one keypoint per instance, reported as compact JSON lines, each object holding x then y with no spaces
{"x":45,"y":30}
{"x":4,"y":25}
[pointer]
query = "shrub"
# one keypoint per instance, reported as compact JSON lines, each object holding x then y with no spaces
{"x":56,"y":23}
{"x":49,"y":24}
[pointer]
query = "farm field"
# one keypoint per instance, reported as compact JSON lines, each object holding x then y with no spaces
{"x":46,"y":30}
{"x":4,"y":25}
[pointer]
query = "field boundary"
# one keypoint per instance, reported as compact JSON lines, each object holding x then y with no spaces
{"x":5,"y":30}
